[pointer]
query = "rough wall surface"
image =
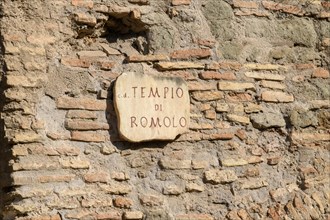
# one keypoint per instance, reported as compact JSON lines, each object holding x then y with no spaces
{"x":258,"y":76}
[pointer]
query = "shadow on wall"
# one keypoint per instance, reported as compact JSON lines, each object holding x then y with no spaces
{"x":4,"y":158}
{"x":114,"y":133}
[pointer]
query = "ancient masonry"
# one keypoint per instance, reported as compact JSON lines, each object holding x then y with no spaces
{"x":257,"y":146}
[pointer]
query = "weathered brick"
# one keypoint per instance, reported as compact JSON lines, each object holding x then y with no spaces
{"x":257,"y":66}
{"x":114,"y":215}
{"x":230,"y":65}
{"x":172,"y":190}
{"x":274,"y":96}
{"x":252,"y":108}
{"x":179,"y":65}
{"x":222,"y":107}
{"x":116,"y":188}
{"x":42,"y":217}
{"x":210,"y":114}
{"x":91,"y":54}
{"x":133,"y":215}
{"x":191,"y":136}
{"x":99,"y":201}
{"x":324,"y":14}
{"x":181,"y":73}
{"x":81,"y":114}
{"x":24,"y":81}
{"x":139,"y":2}
{"x":272,"y":85}
{"x":191,"y":53}
{"x":238,"y":118}
{"x":304,"y":66}
{"x":231,"y":162}
{"x":326,"y":41}
{"x":120,"y":176}
{"x":181,"y":2}
{"x":199,"y":164}
{"x":88,"y":136}
{"x":267,"y":76}
{"x":321,"y":73}
{"x":122,"y":202}
{"x":101,"y":177}
{"x":207,"y":95}
{"x":220,"y":176}
{"x":255,"y":184}
{"x":41,"y":39}
{"x":309,"y":137}
{"x":27,"y":137}
{"x":173,"y":164}
{"x":245,"y":4}
{"x":76,"y":62}
{"x":206,"y":42}
{"x":55,"y":177}
{"x":291,"y":9}
{"x":148,"y":58}
{"x":194,"y":187}
{"x":202,"y":86}
{"x":234,"y":86}
{"x":258,"y":13}
{"x":200,"y":126}
{"x":118,"y":11}
{"x":216,"y":75}
{"x":36,"y":165}
{"x":83,"y":3}
{"x":239,"y":97}
{"x":317,"y":104}
{"x":220,"y":136}
{"x":255,"y":159}
{"x":82,"y":18}
{"x":75,"y":163}
{"x":83,"y":125}
{"x":58,"y":135}
{"x":193,"y":216}
{"x":81,"y":103}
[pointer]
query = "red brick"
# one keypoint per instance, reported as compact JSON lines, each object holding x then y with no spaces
{"x":84,"y":125}
{"x":147,"y":58}
{"x":193,"y":216}
{"x":304,"y":66}
{"x":245,"y":4}
{"x":115,"y":215}
{"x":179,"y":65}
{"x":239,"y":97}
{"x":221,"y":136}
{"x":291,"y":9}
{"x":83,"y":3}
{"x":81,"y":103}
{"x":75,"y":62}
{"x":122,"y":202}
{"x":88,"y":136}
{"x":41,"y":217}
{"x":231,"y":65}
{"x":106,"y":65}
{"x":210,"y":114}
{"x":102,"y":177}
{"x":208,"y":75}
{"x":191,"y":53}
{"x":321,"y":73}
{"x":181,"y":2}
{"x":206,"y":42}
{"x":324,"y":14}
{"x":325,"y":4}
{"x":183,"y":74}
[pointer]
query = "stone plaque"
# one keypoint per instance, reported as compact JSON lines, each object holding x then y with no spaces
{"x":151,"y":107}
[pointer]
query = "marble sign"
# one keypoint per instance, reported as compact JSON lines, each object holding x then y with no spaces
{"x":150,"y":107}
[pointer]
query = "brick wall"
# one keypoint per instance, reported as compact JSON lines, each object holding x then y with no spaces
{"x":258,"y":142}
